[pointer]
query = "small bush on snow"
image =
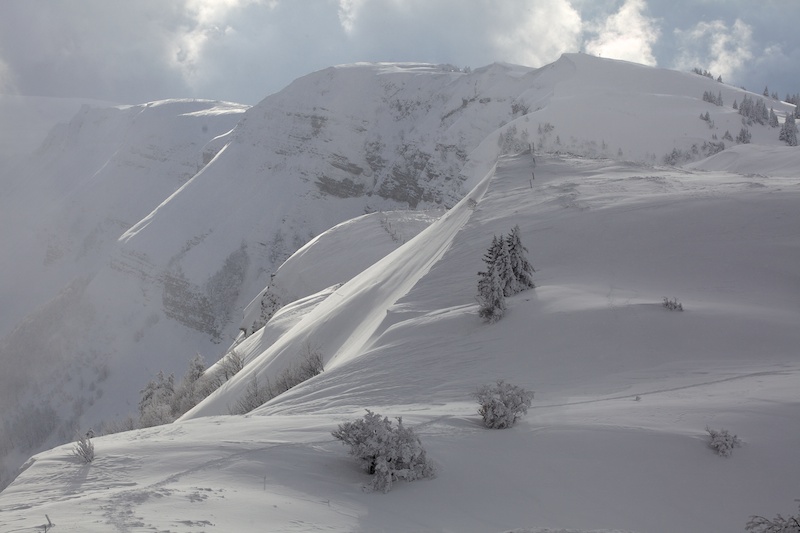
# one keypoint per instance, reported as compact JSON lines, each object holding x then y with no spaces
{"x":722,"y":442}
{"x":84,"y":448}
{"x":502,"y":404}
{"x":386,"y":451}
{"x":673,"y":305}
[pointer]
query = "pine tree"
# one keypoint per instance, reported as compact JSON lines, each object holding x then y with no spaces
{"x":505,"y":272}
{"x":520,"y":266}
{"x":766,"y":91}
{"x":789,"y":131}
{"x":490,"y":296}
{"x":773,"y":118}
{"x":744,"y":136}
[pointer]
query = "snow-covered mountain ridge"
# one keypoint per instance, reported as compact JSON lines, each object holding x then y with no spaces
{"x":198,"y":246}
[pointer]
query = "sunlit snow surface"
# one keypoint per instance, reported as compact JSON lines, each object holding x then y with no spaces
{"x":616,"y":438}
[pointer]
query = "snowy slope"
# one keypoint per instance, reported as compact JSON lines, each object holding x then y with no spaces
{"x":196,"y":247}
{"x":60,"y":216}
{"x":28,"y":119}
{"x":615,"y":439}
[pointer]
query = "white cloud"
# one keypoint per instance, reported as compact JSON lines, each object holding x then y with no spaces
{"x":348,"y":13}
{"x":7,"y":85}
{"x":535,"y":33}
{"x":715,"y":46}
{"x":627,"y":34}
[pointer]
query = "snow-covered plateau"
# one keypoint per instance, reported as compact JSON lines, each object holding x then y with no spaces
{"x":349,"y":214}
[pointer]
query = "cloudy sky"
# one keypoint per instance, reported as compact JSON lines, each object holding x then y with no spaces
{"x":132,"y":51}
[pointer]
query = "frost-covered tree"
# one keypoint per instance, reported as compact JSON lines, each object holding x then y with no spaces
{"x":709,"y":96}
{"x":155,"y":403}
{"x":744,"y":136}
{"x":385,"y":451}
{"x":779,"y":524}
{"x":491,"y":299}
{"x":753,"y":110}
{"x":773,"y":118}
{"x":789,"y":131}
{"x":520,"y":266}
{"x":502,"y":404}
{"x":192,"y":388}
{"x":507,"y":273}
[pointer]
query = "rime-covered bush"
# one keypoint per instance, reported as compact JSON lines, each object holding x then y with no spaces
{"x":386,"y":451}
{"x":722,"y":442}
{"x":672,"y":305}
{"x":779,"y":524}
{"x":309,"y":365}
{"x":84,"y":448}
{"x":502,"y":404}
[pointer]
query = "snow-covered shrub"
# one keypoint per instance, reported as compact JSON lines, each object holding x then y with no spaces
{"x":192,"y":388}
{"x":779,"y":524}
{"x":722,"y":442}
{"x":84,"y":448}
{"x":155,"y":404}
{"x":309,"y":365}
{"x":502,"y":404}
{"x":672,"y":305}
{"x":385,"y":451}
{"x":255,"y":395}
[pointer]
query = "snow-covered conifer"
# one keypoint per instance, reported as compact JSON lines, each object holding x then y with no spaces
{"x":491,"y":299}
{"x":504,"y":270}
{"x":521,"y":267}
{"x":773,"y":118}
{"x":744,"y":136}
{"x":789,"y":131}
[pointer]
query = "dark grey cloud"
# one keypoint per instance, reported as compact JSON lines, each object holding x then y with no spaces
{"x":243,"y":50}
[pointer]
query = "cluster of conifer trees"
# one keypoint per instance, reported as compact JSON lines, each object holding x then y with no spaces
{"x":508,"y":272}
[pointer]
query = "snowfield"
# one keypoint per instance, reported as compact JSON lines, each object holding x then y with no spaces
{"x":357,"y":205}
{"x":615,"y":440}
